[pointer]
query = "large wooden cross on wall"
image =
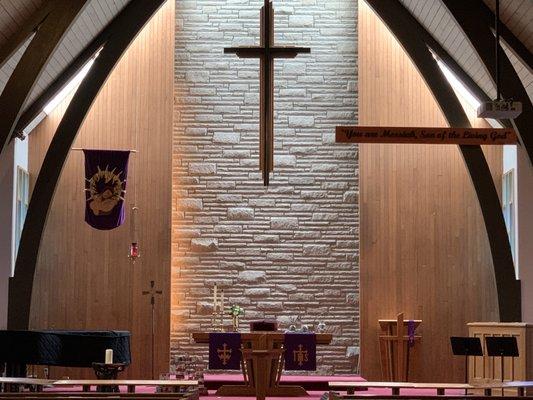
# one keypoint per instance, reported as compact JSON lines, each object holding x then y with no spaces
{"x":267,"y":52}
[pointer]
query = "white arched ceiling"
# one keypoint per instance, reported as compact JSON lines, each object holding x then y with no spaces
{"x":96,"y":15}
{"x":8,"y":68}
{"x":440,"y":23}
{"x":524,"y":73}
{"x":517,"y":15}
{"x":13,"y":15}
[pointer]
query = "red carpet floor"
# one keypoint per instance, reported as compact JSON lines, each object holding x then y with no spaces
{"x":309,"y":382}
{"x":315,"y":395}
{"x":306,"y":381}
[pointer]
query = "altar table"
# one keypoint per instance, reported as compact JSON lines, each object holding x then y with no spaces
{"x":262,"y":365}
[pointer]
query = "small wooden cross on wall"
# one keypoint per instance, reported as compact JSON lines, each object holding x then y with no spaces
{"x":266,"y":52}
{"x":152,"y":292}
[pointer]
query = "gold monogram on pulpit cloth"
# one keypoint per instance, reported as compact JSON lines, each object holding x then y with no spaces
{"x":301,"y":355}
{"x":224,"y":354}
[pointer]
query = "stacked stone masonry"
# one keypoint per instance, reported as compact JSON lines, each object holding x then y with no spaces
{"x":290,"y":250}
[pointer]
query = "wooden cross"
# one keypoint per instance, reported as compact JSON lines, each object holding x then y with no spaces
{"x":224,"y":354}
{"x":266,"y":52}
{"x":152,"y":292}
{"x":394,"y":348}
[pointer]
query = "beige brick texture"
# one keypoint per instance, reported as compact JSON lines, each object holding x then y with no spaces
{"x":290,"y":250}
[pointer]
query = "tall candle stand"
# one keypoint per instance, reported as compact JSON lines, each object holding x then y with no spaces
{"x":217,"y":319}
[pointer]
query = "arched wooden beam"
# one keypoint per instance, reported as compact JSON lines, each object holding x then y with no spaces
{"x":479,"y":32}
{"x":36,"y":107}
{"x":29,"y":26}
{"x":402,"y":24}
{"x":32,"y":63}
{"x":125,"y":27}
{"x":518,"y":48}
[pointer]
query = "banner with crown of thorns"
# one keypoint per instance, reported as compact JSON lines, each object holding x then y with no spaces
{"x":106,"y":173}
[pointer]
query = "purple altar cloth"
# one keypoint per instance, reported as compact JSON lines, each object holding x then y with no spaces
{"x":300,"y":351}
{"x":225,"y":350}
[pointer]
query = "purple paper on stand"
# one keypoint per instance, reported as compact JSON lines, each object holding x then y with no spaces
{"x":411,"y":327}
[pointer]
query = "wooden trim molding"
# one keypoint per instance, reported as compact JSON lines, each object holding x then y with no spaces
{"x":125,"y":28}
{"x":479,"y":32}
{"x":35,"y":58}
{"x":402,"y":24}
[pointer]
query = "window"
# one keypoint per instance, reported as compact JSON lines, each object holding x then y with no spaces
{"x":22,"y":201}
{"x":508,"y":201}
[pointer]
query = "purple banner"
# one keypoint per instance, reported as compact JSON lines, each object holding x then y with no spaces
{"x":300,"y":352}
{"x":106,"y":173}
{"x":225,"y":350}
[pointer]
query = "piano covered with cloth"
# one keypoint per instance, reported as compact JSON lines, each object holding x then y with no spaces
{"x":60,"y":348}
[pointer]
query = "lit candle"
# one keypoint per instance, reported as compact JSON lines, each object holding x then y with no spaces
{"x":109,"y":356}
{"x":215,"y":298}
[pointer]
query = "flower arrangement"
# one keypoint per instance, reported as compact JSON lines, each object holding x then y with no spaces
{"x":235,"y":312}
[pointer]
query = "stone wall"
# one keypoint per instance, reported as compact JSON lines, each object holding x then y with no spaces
{"x":290,"y":250}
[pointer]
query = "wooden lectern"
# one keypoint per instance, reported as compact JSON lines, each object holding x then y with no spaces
{"x":394,"y":348}
{"x":486,"y":370}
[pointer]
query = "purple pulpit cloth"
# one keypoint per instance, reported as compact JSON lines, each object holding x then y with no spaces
{"x":300,"y":351}
{"x":106,"y":173}
{"x":225,"y":350}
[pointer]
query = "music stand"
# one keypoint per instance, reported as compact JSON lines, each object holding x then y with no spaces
{"x":466,"y":346}
{"x":502,"y":346}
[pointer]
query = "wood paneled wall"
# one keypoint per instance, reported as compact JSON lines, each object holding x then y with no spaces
{"x":424,"y":248}
{"x":84,"y":279}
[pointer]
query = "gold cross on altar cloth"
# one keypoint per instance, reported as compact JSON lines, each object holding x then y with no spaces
{"x":301,"y":355}
{"x":266,"y":53}
{"x":224,"y":354}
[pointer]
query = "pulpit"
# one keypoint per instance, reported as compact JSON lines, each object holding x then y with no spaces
{"x":263,"y":360}
{"x":396,"y":338}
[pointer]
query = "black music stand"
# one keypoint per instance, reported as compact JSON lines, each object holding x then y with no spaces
{"x":466,"y":346}
{"x":502,"y":346}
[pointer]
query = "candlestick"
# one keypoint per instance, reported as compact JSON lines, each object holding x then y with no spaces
{"x":109,"y":356}
{"x":215,"y":298}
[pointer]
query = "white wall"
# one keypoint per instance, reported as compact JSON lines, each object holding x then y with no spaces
{"x":510,"y":162}
{"x":20,"y":160}
{"x":6,"y":227}
{"x":525,"y":231}
{"x":16,"y":154}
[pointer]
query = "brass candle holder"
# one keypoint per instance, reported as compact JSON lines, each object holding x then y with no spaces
{"x":217,"y":318}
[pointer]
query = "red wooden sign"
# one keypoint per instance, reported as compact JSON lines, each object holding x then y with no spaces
{"x":472,"y":136}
